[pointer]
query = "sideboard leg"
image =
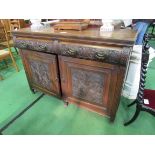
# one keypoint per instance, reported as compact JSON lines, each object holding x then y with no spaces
{"x":33,"y":90}
{"x":66,"y":104}
{"x":112,"y":118}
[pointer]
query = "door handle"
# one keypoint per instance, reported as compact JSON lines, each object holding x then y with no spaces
{"x":100,"y":56}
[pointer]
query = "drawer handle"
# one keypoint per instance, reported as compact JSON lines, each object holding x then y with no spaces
{"x":71,"y":52}
{"x":41,"y":47}
{"x":23,"y":44}
{"x":100,"y":56}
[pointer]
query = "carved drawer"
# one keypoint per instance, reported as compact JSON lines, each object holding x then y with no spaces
{"x":98,"y":53}
{"x":40,"y":45}
{"x":118,"y":56}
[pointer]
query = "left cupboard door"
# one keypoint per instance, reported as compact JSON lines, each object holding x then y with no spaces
{"x":41,"y":71}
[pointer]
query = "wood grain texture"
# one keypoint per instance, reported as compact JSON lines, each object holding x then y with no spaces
{"x":120,"y":37}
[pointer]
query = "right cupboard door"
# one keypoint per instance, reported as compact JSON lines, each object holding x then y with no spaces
{"x":89,"y":84}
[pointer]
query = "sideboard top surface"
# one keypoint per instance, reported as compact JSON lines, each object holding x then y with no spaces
{"x":121,"y":36}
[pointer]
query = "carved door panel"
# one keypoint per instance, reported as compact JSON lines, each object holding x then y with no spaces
{"x":42,"y":72}
{"x":88,"y":83}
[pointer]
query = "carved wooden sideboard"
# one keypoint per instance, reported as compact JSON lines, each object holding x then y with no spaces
{"x":86,"y":67}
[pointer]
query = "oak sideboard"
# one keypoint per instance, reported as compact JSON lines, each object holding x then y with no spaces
{"x":86,"y":68}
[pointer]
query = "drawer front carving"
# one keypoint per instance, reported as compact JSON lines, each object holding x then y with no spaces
{"x":36,"y":45}
{"x":75,"y":50}
{"x":98,"y":54}
{"x":87,"y":85}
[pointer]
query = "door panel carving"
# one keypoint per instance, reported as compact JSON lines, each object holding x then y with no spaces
{"x":41,"y":71}
{"x":87,"y":85}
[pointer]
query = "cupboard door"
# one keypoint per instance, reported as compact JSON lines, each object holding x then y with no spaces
{"x":88,"y":84}
{"x":42,"y":71}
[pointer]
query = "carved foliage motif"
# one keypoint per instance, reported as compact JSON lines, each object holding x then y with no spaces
{"x":78,"y":51}
{"x":87,"y":85}
{"x":40,"y":73}
{"x":98,"y":54}
{"x":37,"y":45}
